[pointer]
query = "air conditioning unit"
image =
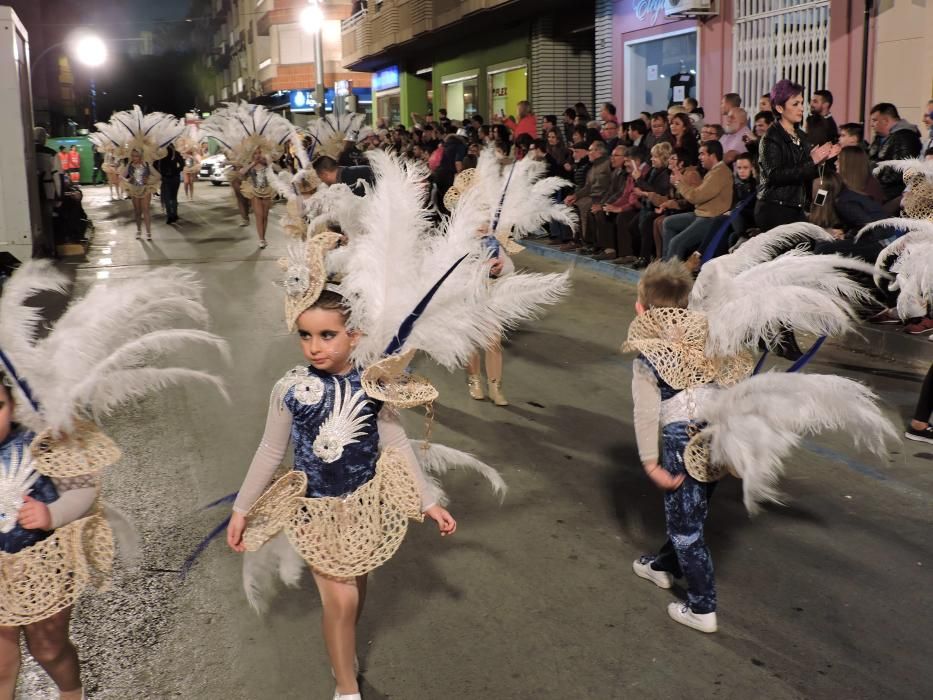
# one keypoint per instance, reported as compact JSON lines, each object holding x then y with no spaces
{"x":689,"y":8}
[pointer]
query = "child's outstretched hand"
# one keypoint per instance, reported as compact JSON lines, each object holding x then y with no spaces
{"x":662,"y":478}
{"x":445,"y":521}
{"x":35,"y":515}
{"x":235,"y":532}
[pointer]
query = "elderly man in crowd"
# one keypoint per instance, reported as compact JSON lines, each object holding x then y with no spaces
{"x":603,"y":220}
{"x":736,"y":129}
{"x":711,"y":132}
{"x":659,"y":131}
{"x":598,"y":182}
{"x":684,"y":233}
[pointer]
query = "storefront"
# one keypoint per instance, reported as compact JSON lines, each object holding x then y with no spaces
{"x":656,"y":59}
{"x":508,"y":85}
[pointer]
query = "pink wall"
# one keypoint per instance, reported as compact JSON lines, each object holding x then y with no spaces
{"x":715,"y":42}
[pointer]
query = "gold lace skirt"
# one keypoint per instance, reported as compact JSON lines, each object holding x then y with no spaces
{"x":50,"y":576}
{"x":339,"y":537}
{"x":250,"y":192}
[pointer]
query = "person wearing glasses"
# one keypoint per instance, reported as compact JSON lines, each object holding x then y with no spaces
{"x":598,"y":182}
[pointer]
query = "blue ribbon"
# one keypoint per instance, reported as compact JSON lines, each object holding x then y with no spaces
{"x":20,"y":382}
{"x":495,"y":218}
{"x":710,"y":251}
{"x":800,"y":363}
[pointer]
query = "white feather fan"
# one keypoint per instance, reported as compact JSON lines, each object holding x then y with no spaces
{"x":800,"y":291}
{"x":396,"y":260}
{"x":100,"y":353}
{"x":242,"y":128}
{"x":754,"y":425}
{"x":329,"y":132}
{"x":133,"y":130}
{"x":913,"y":270}
{"x":761,"y":248}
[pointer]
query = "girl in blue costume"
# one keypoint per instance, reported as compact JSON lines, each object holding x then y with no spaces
{"x":48,"y":505}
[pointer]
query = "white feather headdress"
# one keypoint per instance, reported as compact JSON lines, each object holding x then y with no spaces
{"x":397,"y":260}
{"x":104,"y":351}
{"x":330,"y":132}
{"x":132,"y":130}
{"x":242,"y":128}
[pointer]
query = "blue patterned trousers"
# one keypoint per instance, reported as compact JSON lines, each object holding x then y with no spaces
{"x":685,"y":554}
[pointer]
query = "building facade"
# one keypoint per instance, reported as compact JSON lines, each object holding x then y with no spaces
{"x":648,"y":60}
{"x":473,"y":56}
{"x":259,"y":52}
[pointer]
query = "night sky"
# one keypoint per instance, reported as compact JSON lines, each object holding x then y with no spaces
{"x":147,"y":10}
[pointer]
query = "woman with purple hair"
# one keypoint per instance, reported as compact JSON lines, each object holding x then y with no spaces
{"x":787,"y":162}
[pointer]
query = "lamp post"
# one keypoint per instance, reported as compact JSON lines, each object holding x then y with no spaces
{"x":90,"y":50}
{"x":312,"y":22}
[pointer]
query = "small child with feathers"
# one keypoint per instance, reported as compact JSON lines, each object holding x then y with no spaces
{"x":302,"y":405}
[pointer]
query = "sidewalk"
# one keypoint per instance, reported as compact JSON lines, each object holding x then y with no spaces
{"x":883,"y":342}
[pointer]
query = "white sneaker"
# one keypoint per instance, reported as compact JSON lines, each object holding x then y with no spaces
{"x":681,"y":612}
{"x":642,"y":567}
{"x":351,"y":696}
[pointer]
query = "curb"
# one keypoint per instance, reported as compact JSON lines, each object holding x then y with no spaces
{"x":875,"y":341}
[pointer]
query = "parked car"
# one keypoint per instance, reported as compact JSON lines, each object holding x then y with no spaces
{"x":207,"y":165}
{"x":219,"y":174}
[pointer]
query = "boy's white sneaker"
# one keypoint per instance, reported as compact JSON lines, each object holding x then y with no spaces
{"x":642,"y":567}
{"x":681,"y":612}
{"x":351,"y":696}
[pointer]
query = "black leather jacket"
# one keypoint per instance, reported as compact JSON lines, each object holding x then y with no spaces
{"x":902,"y":142}
{"x":786,"y":169}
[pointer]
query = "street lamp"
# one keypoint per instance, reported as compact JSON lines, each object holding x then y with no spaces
{"x":311,"y":20}
{"x":90,"y":50}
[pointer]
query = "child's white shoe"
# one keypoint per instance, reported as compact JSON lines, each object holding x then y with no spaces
{"x":681,"y":612}
{"x":642,"y":567}
{"x":351,"y":696}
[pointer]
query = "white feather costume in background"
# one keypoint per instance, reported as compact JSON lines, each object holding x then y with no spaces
{"x":242,"y":128}
{"x":132,"y":130}
{"x":102,"y":353}
{"x":909,"y":258}
{"x":917,"y":199}
{"x":330,"y":133}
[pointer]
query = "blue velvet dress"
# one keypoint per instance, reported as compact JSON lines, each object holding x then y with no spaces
{"x":337,"y":457}
{"x":17,"y":444}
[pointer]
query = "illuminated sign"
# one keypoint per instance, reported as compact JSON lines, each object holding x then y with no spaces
{"x":648,"y":10}
{"x":385,"y":79}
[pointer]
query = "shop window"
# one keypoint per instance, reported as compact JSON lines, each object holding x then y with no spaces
{"x":460,"y":98}
{"x":389,"y":107}
{"x":508,"y":87}
{"x":660,"y":72}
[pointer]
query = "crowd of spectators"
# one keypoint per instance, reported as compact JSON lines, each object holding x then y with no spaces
{"x":681,"y":183}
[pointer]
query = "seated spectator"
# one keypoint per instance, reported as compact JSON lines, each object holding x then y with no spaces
{"x":570,"y":118}
{"x":622,"y":237}
{"x":610,"y":134}
{"x":674,"y":202}
{"x":691,"y":106}
{"x":549,"y":122}
{"x":653,"y":189}
{"x":820,"y":125}
{"x":646,"y":118}
{"x":659,"y":130}
{"x":607,"y":113}
{"x":895,"y":138}
{"x":684,"y":136}
{"x":711,"y":132}
{"x":637,"y":131}
{"x":559,"y":157}
{"x":522,"y":145}
{"x":683,"y":233}
{"x":730,"y":101}
{"x":598,"y":179}
{"x":851,"y":135}
{"x":764,"y":103}
{"x":603,"y":221}
{"x":744,"y":187}
{"x":843,"y":213}
{"x":736,"y":128}
{"x":472,"y":155}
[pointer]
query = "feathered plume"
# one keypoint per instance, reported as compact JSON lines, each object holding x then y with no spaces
{"x":899,"y":224}
{"x":906,"y":165}
{"x":329,"y":133}
{"x":436,"y":460}
{"x":754,"y":425}
{"x":276,"y":559}
{"x":761,"y":248}
{"x":101,"y":352}
{"x":242,"y":128}
{"x":132,"y":130}
{"x":800,"y":291}
{"x":910,"y":260}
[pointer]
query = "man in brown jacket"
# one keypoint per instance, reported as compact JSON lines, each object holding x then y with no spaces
{"x":598,"y":181}
{"x":684,"y":233}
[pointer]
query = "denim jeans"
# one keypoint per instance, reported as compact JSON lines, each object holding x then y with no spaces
{"x":684,"y":233}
